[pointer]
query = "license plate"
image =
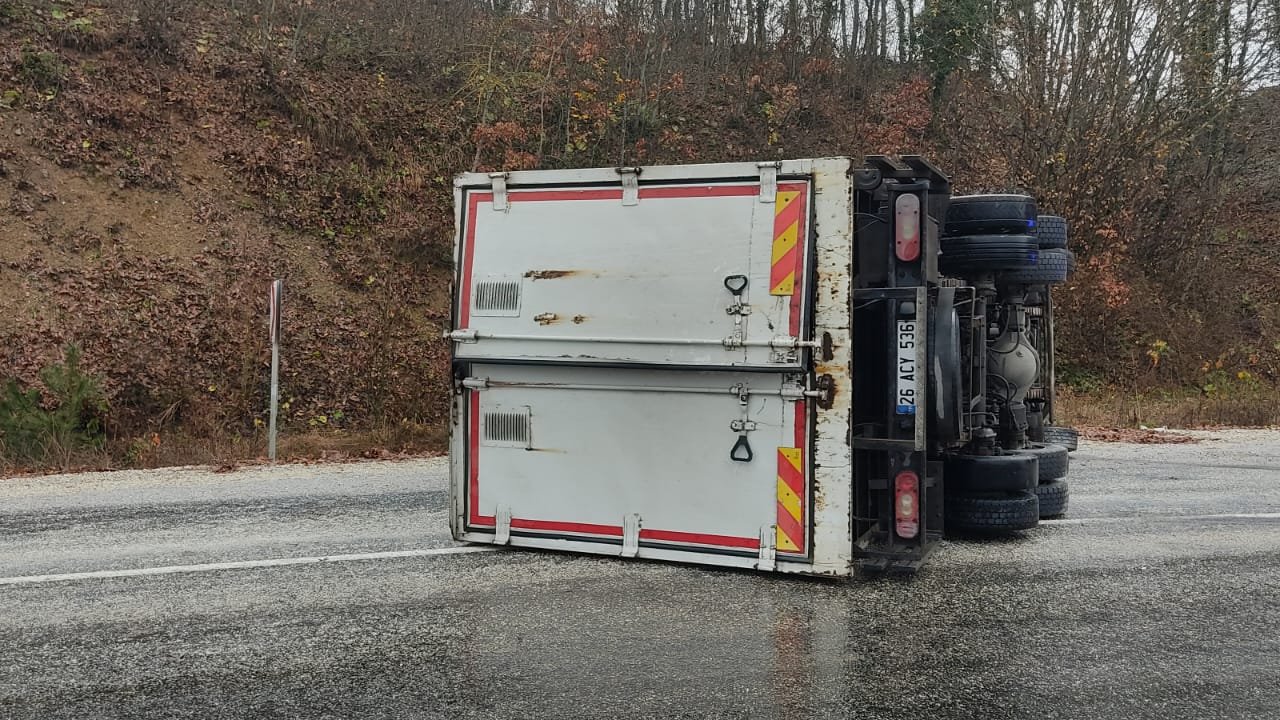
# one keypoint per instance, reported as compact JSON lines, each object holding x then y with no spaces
{"x":906,"y":367}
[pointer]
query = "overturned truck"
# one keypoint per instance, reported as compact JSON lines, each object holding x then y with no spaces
{"x":808,"y":366}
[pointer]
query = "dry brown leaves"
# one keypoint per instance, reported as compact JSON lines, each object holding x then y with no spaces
{"x":1142,"y":436}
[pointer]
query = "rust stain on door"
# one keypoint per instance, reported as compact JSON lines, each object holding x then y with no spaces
{"x":550,"y":274}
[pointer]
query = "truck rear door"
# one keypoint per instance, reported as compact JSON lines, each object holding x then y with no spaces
{"x":634,"y":362}
{"x":699,"y":274}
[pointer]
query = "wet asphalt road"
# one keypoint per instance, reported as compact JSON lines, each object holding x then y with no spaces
{"x":1149,"y":601}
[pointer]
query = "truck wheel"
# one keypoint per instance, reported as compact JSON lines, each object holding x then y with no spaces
{"x":987,"y":253}
{"x":1064,"y":436}
{"x":1052,"y":232}
{"x":1052,"y":266}
{"x":1053,"y":498}
{"x":945,"y":378}
{"x":978,"y":214}
{"x":994,"y":513}
{"x":1052,"y":460}
{"x":989,"y":473}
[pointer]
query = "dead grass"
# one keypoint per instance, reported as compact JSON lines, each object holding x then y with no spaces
{"x":230,"y":452}
{"x":1111,"y":409}
{"x":1135,"y":435}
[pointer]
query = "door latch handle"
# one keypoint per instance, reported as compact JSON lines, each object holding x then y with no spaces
{"x":741,"y":451}
{"x":735,"y":284}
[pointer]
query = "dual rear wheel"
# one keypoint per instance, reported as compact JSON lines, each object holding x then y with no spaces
{"x":1005,"y":240}
{"x":995,"y":494}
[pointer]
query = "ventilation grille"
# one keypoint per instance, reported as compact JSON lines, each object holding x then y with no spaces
{"x":497,"y":297}
{"x":507,"y":427}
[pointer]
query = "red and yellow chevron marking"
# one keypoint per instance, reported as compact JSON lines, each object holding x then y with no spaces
{"x":791,"y":494}
{"x":788,"y":216}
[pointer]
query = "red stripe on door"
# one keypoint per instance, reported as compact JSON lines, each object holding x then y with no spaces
{"x":468,"y":257}
{"x":474,"y":465}
{"x":700,"y":538}
{"x":573,"y":527}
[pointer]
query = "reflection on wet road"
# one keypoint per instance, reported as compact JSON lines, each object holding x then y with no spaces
{"x":1158,"y":603}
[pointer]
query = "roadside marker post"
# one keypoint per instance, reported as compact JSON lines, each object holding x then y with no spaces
{"x":276,"y":294}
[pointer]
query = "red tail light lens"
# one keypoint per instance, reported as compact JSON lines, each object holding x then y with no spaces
{"x":906,"y":504}
{"x":906,"y":227}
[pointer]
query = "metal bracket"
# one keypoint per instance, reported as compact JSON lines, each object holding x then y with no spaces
{"x":786,"y":349}
{"x":475,"y":383}
{"x":502,"y":528}
{"x":768,"y":550}
{"x":630,"y":535}
{"x":743,"y":426}
{"x":630,"y":185}
{"x":499,"y":180}
{"x":462,"y":336}
{"x":792,"y":343}
{"x":795,"y":390}
{"x":768,"y":181}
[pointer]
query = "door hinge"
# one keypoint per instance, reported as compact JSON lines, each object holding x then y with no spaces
{"x":630,"y":535}
{"x":499,"y":182}
{"x":768,"y":549}
{"x":462,"y":336}
{"x":502,"y":527}
{"x":630,"y":185}
{"x":768,"y":181}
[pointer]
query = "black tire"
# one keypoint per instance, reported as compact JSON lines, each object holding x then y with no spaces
{"x":1065,"y":436}
{"x":989,"y":473}
{"x":946,"y":381}
{"x":993,"y":513}
{"x":1052,"y":232}
{"x":985,"y":214}
{"x":1051,"y":459}
{"x":1051,"y":267}
{"x":987,"y":253}
{"x":1053,"y":497}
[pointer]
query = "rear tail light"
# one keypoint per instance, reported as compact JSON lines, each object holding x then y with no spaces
{"x":906,"y":233}
{"x":906,"y":504}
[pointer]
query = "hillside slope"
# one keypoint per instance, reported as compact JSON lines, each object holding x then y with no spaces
{"x":161,"y":162}
{"x":134,"y":225}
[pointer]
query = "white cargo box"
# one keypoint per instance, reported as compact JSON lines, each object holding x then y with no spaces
{"x":639,"y":354}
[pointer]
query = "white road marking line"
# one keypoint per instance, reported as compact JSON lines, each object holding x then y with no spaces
{"x":242,"y":564}
{"x":1223,"y":516}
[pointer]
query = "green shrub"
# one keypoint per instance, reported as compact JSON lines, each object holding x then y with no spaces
{"x":1082,"y":379}
{"x":32,"y":432}
{"x":9,"y":12}
{"x":43,"y":69}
